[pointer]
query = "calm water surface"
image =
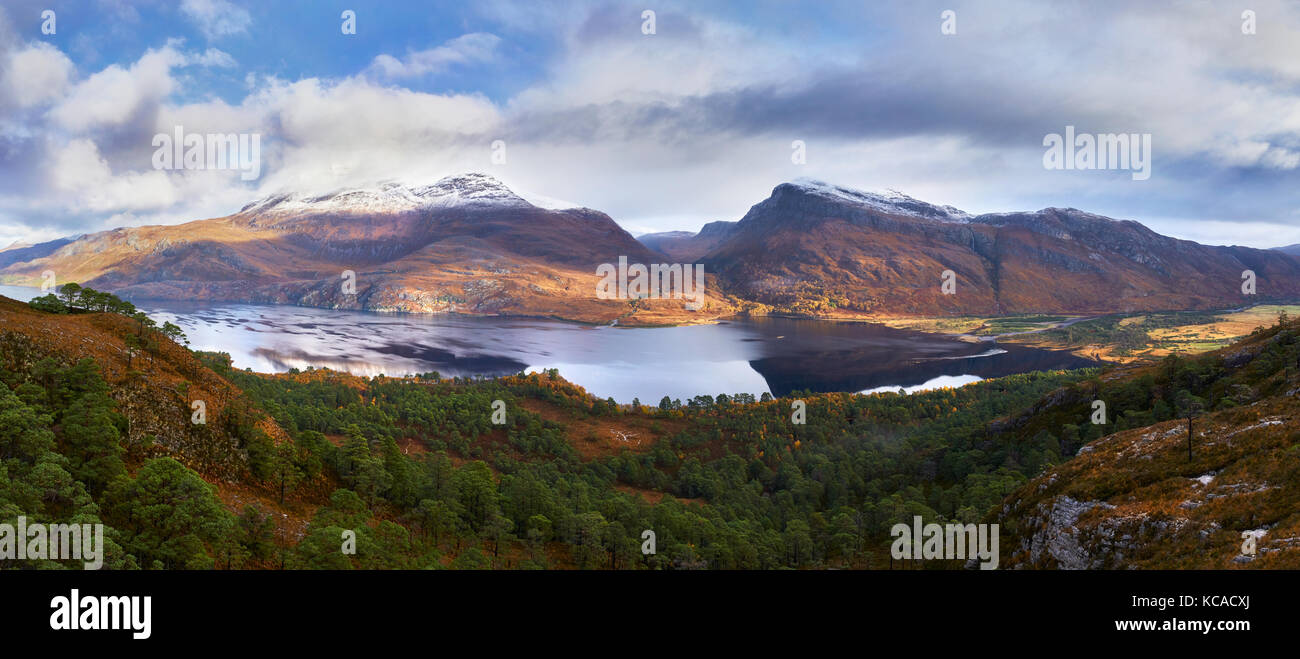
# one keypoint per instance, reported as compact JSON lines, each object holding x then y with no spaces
{"x":775,"y":355}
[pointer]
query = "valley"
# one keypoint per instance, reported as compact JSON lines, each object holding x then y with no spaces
{"x":417,"y":466}
{"x":352,"y":350}
{"x":1118,"y":338}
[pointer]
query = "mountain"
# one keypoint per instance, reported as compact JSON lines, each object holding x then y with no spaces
{"x":686,"y":247}
{"x":665,"y":242}
{"x":1293,"y":250}
{"x":469,"y":244}
{"x":465,"y":243}
{"x":819,"y":249}
{"x":19,"y":252}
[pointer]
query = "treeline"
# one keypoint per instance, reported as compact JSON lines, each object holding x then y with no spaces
{"x":74,"y":298}
{"x":748,"y":487}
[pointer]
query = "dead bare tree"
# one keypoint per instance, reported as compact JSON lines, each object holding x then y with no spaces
{"x":623,"y":436}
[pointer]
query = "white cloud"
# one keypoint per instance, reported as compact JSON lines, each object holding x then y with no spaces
{"x":35,"y":75}
{"x":212,"y":57}
{"x":639,"y":126}
{"x":709,"y":57}
{"x":112,"y":96}
{"x":117,"y":95}
{"x":84,"y":181}
{"x":217,"y":18}
{"x":330,"y":134}
{"x":476,"y":46}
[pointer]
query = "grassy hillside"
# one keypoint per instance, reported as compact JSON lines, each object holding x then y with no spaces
{"x":1144,"y":496}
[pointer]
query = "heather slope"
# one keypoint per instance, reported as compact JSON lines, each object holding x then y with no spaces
{"x":153,"y":382}
{"x":1135,"y":498}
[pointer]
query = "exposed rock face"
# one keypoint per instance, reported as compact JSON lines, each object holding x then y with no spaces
{"x":1056,"y":540}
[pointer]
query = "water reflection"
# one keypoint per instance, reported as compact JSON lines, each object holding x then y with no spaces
{"x":760,"y":355}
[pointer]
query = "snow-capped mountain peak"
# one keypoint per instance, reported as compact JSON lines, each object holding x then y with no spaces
{"x":889,"y":201}
{"x":461,"y":190}
{"x":469,"y":189}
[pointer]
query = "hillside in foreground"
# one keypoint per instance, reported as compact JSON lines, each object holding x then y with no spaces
{"x":96,"y":427}
{"x":1144,"y":496}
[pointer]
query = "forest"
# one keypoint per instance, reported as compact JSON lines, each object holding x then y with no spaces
{"x":415,"y":471}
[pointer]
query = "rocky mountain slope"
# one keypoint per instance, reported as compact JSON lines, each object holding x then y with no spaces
{"x":465,"y":244}
{"x":18,"y":252}
{"x":469,"y":244}
{"x":819,"y":249}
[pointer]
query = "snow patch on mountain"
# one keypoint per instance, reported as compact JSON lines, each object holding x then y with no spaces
{"x":889,"y":201}
{"x":460,"y":191}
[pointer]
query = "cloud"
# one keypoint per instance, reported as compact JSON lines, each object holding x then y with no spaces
{"x":116,"y":95}
{"x":695,"y":122}
{"x":34,"y":75}
{"x":86,"y":182}
{"x":957,"y":119}
{"x":217,"y":18}
{"x":473,"y":47}
{"x":113,"y":95}
{"x":212,"y":57}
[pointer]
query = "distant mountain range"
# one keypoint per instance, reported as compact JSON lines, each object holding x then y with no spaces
{"x":469,"y":244}
{"x":685,"y":246}
{"x":20,"y":253}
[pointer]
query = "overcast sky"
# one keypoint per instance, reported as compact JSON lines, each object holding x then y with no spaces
{"x":663,"y":131}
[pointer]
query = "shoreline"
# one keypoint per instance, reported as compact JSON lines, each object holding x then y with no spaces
{"x":962,"y":328}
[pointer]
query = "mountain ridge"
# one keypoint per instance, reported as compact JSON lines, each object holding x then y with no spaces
{"x":464,"y":244}
{"x":808,"y":251}
{"x":468,"y":243}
